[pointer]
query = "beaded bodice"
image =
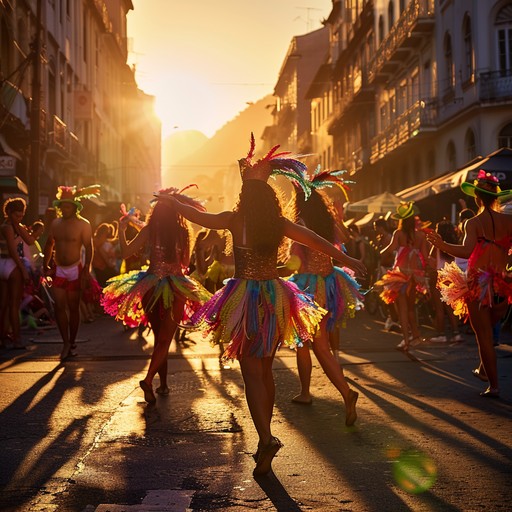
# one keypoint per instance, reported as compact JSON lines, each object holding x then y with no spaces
{"x":162,"y":268}
{"x":250,"y":264}
{"x":316,"y":263}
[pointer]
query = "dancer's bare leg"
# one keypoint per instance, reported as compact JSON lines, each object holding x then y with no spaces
{"x":328,"y":362}
{"x":482,"y":323}
{"x":304,"y":367}
{"x":259,"y":393}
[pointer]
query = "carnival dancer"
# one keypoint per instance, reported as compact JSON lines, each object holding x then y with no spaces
{"x":332,"y":288}
{"x":161,"y":294}
{"x":70,"y":234}
{"x":14,"y":269}
{"x":484,"y":292}
{"x":402,"y":283}
{"x":256,"y":311}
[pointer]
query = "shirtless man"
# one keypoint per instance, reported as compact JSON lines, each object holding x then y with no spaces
{"x":67,"y":235}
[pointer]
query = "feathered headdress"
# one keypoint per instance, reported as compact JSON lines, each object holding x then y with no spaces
{"x":274,"y":164}
{"x":180,"y":196}
{"x":326,"y":178}
{"x":75,"y":195}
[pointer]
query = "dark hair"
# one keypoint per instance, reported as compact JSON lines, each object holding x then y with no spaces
{"x":170,"y":231}
{"x":488,"y":200}
{"x":381,"y":223}
{"x":14,"y":204}
{"x":316,"y":214}
{"x":103,"y":229}
{"x":263,"y":217}
{"x":447,"y":231}
{"x":408,"y":226}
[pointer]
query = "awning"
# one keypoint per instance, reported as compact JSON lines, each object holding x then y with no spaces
{"x":12,"y":185}
{"x":499,"y":163}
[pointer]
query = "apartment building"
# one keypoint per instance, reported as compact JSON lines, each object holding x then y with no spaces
{"x":411,"y":89}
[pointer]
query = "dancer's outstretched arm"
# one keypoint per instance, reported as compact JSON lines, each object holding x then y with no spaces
{"x":308,"y":237}
{"x":220,"y":220}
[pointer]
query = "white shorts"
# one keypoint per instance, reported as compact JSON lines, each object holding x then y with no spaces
{"x":69,"y":273}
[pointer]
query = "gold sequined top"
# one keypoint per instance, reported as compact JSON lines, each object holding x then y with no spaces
{"x":162,"y":268}
{"x":249,"y":264}
{"x":316,"y":263}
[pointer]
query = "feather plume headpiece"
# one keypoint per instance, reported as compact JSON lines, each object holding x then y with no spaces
{"x":326,"y":178}
{"x":75,"y":195}
{"x":274,"y":164}
{"x":178,"y":194}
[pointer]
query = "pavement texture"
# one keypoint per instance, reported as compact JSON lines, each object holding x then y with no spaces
{"x":79,"y":437}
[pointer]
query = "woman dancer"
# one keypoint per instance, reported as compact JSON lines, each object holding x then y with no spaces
{"x":331,"y":287}
{"x":407,"y":278}
{"x":484,"y":292}
{"x":161,"y":295}
{"x":256,"y":311}
{"x":14,"y":271}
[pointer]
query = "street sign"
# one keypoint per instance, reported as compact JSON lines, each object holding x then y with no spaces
{"x":7,"y":165}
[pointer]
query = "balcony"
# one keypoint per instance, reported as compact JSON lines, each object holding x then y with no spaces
{"x":420,"y":118}
{"x":416,"y":22}
{"x":495,"y":86}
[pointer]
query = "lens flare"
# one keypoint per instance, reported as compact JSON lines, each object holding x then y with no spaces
{"x":414,"y":472}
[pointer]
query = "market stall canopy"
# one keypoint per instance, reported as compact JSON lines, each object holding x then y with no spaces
{"x":381,"y":203}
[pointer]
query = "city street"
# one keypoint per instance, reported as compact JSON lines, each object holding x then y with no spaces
{"x":79,"y":436}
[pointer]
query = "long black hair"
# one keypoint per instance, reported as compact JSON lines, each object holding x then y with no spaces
{"x":259,"y":205}
{"x":316,"y":214}
{"x":170,"y":231}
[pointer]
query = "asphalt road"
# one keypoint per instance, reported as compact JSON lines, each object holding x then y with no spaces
{"x":79,"y":437}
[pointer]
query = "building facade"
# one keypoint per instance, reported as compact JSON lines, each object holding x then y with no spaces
{"x":88,"y":101}
{"x":411,"y":89}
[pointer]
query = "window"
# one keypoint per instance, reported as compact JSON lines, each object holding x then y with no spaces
{"x":470,"y":145}
{"x":503,"y":25}
{"x":469,"y":62}
{"x":391,"y":16}
{"x":449,"y":65}
{"x":505,"y":137}
{"x":381,"y":29}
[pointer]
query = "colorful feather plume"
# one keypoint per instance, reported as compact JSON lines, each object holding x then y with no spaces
{"x":275,"y":164}
{"x":88,"y":192}
{"x":326,"y":178}
{"x":180,"y":196}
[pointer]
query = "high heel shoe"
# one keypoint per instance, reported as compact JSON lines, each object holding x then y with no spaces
{"x":265,"y":456}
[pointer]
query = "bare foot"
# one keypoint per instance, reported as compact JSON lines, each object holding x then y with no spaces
{"x":302,"y":399}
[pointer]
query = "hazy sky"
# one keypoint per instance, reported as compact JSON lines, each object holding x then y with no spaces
{"x":205,"y":59}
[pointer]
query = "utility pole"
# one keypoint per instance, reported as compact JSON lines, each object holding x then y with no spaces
{"x":35,"y":121}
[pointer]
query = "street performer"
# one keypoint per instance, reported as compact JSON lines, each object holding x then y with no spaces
{"x":69,"y":270}
{"x":256,"y":311}
{"x":485,"y":291}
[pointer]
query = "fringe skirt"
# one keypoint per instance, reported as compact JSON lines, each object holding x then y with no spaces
{"x":255,"y":317}
{"x":337,"y":292}
{"x":130,"y":297}
{"x":458,"y":288}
